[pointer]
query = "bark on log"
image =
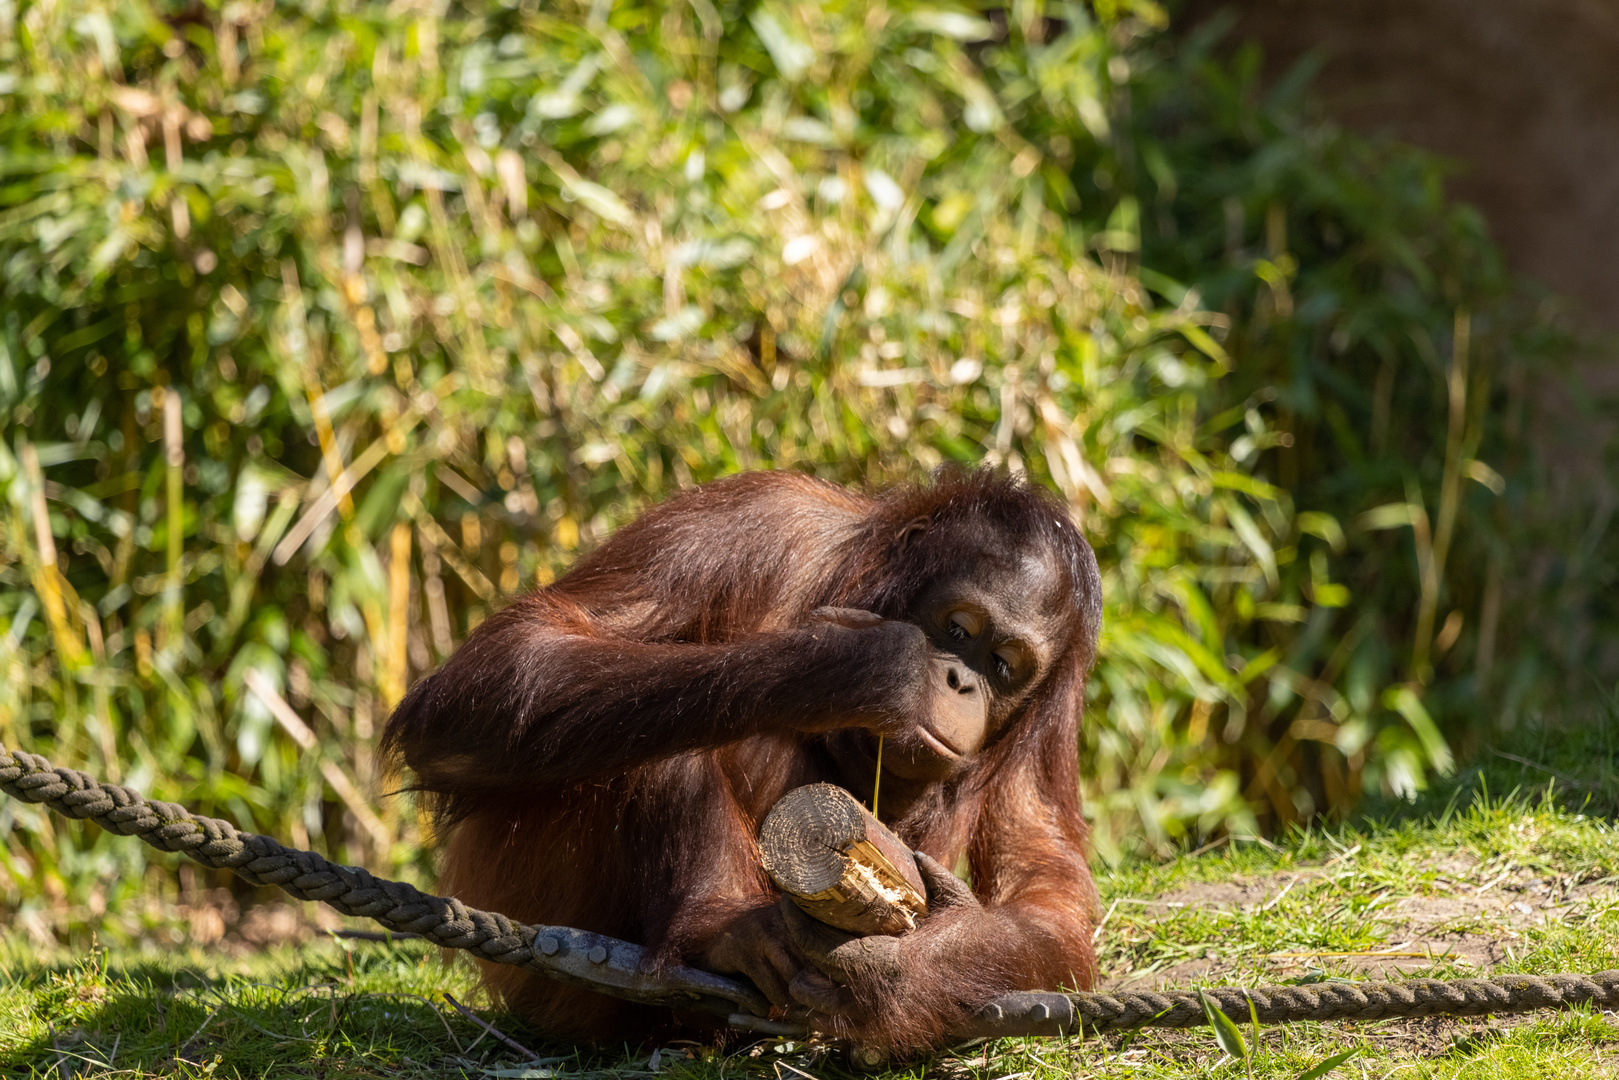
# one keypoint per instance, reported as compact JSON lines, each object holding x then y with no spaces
{"x":840,"y":864}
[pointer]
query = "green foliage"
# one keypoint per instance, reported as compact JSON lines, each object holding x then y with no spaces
{"x":326,"y":328}
{"x":1382,"y":366}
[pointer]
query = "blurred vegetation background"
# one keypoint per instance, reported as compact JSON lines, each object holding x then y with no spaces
{"x":325,"y":328}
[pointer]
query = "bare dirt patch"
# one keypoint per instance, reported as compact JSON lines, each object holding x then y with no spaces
{"x":1461,"y":921}
{"x":1455,"y":923}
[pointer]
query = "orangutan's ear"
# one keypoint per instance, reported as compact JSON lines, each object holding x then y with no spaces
{"x":908,"y":533}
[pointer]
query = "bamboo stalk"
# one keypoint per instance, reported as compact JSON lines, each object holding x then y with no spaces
{"x":395,"y":661}
{"x":1449,"y":497}
{"x":329,"y":452}
{"x":174,"y":457}
{"x":438,"y":613}
{"x":47,"y":575}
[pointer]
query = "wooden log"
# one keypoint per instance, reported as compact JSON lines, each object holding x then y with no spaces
{"x":840,"y":864}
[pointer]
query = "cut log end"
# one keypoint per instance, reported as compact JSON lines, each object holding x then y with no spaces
{"x":840,"y":864}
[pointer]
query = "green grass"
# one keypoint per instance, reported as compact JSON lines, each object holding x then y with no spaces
{"x":1479,"y":882}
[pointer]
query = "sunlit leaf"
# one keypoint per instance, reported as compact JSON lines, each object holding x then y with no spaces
{"x":1326,"y":1065}
{"x":1226,"y":1032}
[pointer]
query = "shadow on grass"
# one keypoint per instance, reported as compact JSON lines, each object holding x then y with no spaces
{"x":372,"y":1010}
{"x":302,"y":1013}
{"x":1575,"y":764}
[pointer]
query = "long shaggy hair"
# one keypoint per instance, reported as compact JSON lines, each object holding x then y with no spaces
{"x":595,"y":754}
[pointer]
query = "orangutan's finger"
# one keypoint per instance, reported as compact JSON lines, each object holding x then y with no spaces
{"x":821,"y":994}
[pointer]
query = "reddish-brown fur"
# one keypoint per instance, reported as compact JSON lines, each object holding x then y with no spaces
{"x":600,"y":752}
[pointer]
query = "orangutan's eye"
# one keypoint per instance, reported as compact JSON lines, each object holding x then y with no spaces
{"x":964,"y":625}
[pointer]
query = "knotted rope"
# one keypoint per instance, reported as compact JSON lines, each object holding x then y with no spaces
{"x":619,"y":968}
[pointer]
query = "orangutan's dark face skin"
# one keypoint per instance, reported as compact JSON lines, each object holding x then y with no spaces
{"x":992,"y":632}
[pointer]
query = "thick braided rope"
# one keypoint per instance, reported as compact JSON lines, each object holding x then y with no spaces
{"x":612,"y":966}
{"x":1041,"y":1014}
{"x":1352,"y":1000}
{"x":263,"y":861}
{"x":604,"y":963}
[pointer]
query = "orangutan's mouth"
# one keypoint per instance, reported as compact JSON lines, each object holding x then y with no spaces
{"x":937,"y":744}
